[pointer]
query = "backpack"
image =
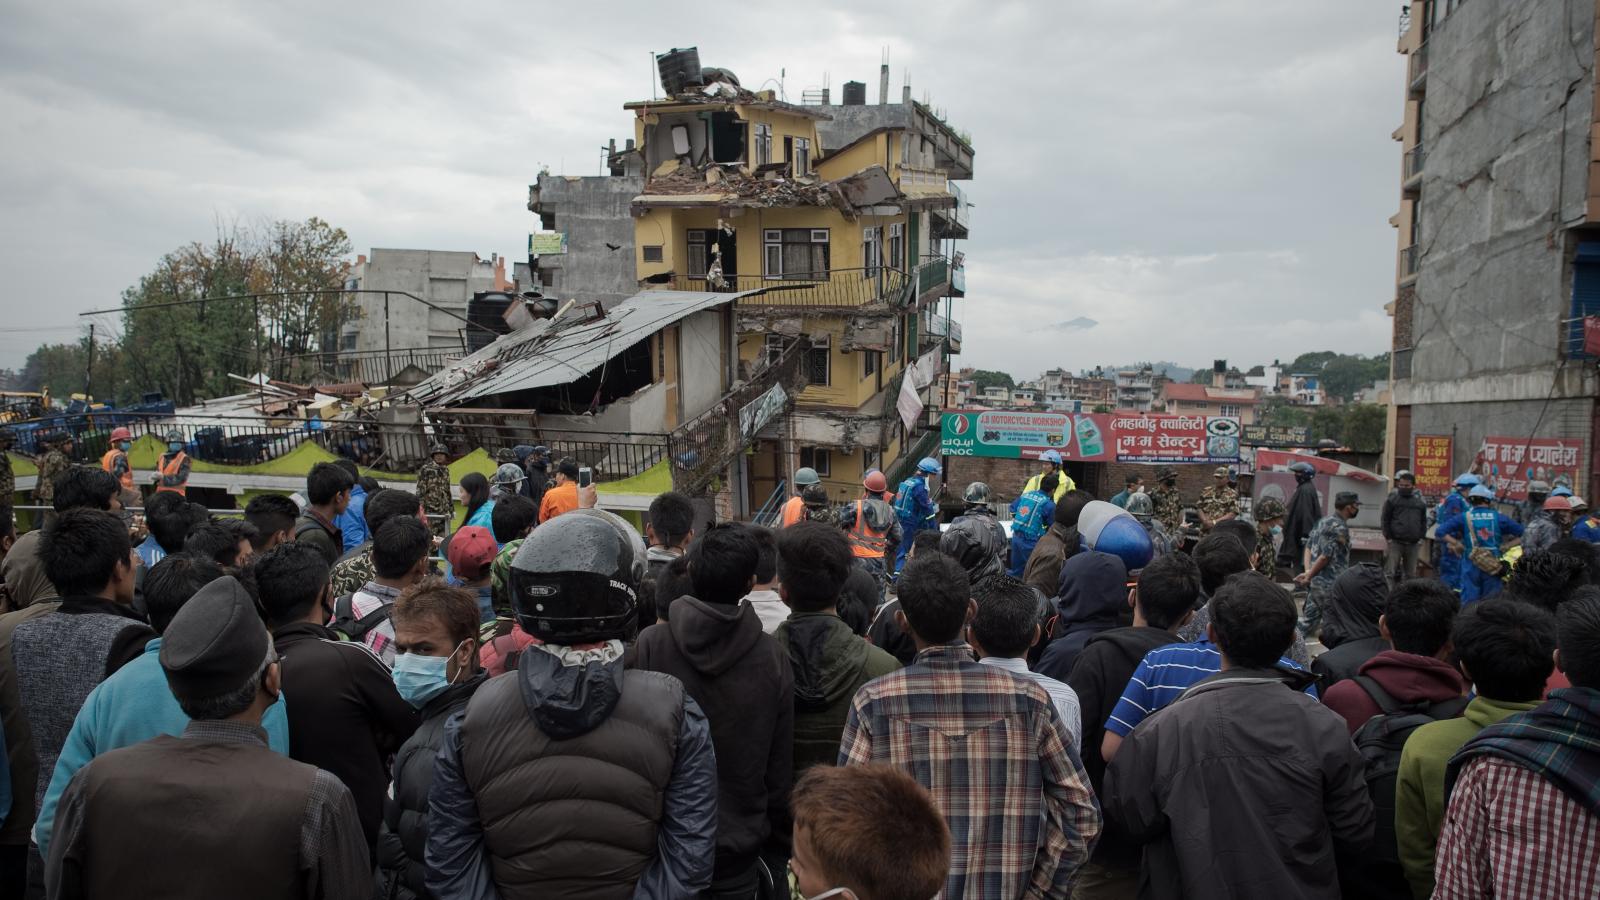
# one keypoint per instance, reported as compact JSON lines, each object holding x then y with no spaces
{"x":347,"y":626}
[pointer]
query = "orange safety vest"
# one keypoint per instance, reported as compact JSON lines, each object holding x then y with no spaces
{"x":864,"y":542}
{"x":107,"y":461}
{"x":794,"y":511}
{"x":170,"y":470}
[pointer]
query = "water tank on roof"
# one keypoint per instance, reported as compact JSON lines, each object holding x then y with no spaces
{"x":679,"y":69}
{"x":855,"y":93}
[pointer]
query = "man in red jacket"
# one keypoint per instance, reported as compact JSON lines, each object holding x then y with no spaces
{"x":1416,"y":622}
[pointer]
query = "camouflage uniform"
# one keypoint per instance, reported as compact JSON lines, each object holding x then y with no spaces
{"x":1168,"y":507}
{"x":52,"y":464}
{"x":433,"y":489}
{"x":8,"y":479}
{"x":1266,"y":552}
{"x":1218,"y":501}
{"x":353,"y":573}
{"x":500,"y":577}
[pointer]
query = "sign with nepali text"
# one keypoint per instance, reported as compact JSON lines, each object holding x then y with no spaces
{"x":1509,"y":463}
{"x":1292,"y":435}
{"x":1092,"y":437}
{"x":1431,"y":462}
{"x":547,"y":243}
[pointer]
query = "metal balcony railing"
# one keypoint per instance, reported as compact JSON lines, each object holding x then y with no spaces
{"x":1408,"y":260}
{"x":932,"y":274}
{"x":702,"y":447}
{"x":1405,"y":20}
{"x":846,"y":288}
{"x":1414,"y":160}
{"x":943,"y":326}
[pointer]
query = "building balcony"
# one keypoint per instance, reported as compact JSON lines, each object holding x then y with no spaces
{"x":839,"y":288}
{"x":1414,"y":160}
{"x":933,"y":277}
{"x":950,"y":223}
{"x":958,"y":281}
{"x":944,"y":328}
{"x":1417,"y":67}
{"x":1409,"y":259}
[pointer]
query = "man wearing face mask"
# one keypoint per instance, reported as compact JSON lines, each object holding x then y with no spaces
{"x":1405,"y":522}
{"x":116,"y":462}
{"x":1269,"y":535}
{"x":436,"y":671}
{"x":173,"y":469}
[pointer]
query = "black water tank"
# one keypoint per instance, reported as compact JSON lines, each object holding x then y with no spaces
{"x":488,"y":310}
{"x":679,"y":69}
{"x":855,"y":93}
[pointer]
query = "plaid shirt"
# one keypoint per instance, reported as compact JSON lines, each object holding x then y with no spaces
{"x":993,"y":752}
{"x":1510,"y":833}
{"x":380,"y":640}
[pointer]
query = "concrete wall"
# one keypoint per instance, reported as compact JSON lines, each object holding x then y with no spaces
{"x":445,"y":278}
{"x":1562,"y":419}
{"x":593,"y":211}
{"x":701,"y":354}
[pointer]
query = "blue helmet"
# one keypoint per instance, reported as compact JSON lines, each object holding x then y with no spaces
{"x":1561,"y":491}
{"x":1051,"y":456}
{"x":929,"y":465}
{"x":1481,"y":491}
{"x":1467,"y":479}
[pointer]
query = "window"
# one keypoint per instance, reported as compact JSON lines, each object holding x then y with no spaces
{"x":802,"y":156}
{"x":796,"y":254}
{"x":869,"y":460}
{"x":869,"y":363}
{"x":894,"y":338}
{"x":763,"y":144}
{"x":697,"y":254}
{"x":897,"y":246}
{"x":818,"y":361}
{"x":872,"y":249}
{"x":652,"y":253}
{"x":1229,"y":409}
{"x":817,"y":458}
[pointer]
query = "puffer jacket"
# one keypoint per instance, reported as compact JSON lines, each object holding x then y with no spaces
{"x":403,"y":837}
{"x":830,"y":664}
{"x":1093,"y":597}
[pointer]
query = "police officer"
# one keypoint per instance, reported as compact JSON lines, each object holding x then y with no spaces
{"x":1142,"y":508}
{"x":794,"y":509}
{"x":537,"y":465}
{"x":433,"y":489}
{"x":914,"y":507}
{"x":1303,"y":515}
{"x":8,"y":478}
{"x":1166,"y":501}
{"x":1031,"y":515}
{"x":1477,"y":533}
{"x":1052,"y":466}
{"x":51,"y":464}
{"x":1218,"y":502}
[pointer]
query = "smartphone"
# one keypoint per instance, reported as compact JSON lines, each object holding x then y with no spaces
{"x":585,"y":476}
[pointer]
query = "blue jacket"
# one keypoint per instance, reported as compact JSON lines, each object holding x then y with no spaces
{"x":912,"y":504}
{"x":353,"y":521}
{"x":1031,"y":515}
{"x":132,"y":706}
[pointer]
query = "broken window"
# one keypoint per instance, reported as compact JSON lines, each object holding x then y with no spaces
{"x":727,"y":138}
{"x":818,"y":459}
{"x":653,"y":253}
{"x":897,"y":246}
{"x":796,"y":254}
{"x":697,"y":253}
{"x":763,"y":144}
{"x":802,"y":156}
{"x":869,"y":364}
{"x":872,"y":249}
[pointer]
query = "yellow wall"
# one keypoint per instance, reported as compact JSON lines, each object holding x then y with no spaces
{"x":873,"y":151}
{"x":783,"y":125}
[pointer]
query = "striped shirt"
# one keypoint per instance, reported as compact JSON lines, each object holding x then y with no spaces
{"x":1162,"y":677}
{"x":1509,"y":833}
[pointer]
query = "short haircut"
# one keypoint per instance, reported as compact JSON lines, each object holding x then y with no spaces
{"x":1169,"y":588}
{"x":369,"y":484}
{"x":227,"y":705}
{"x":1578,"y":635}
{"x":241,"y":530}
{"x":1008,"y":612}
{"x":1071,"y":507}
{"x":926,"y":541}
{"x":568,"y":467}
{"x":1546,"y":578}
{"x":1581,"y":550}
{"x":82,"y":550}
{"x":767,"y":562}
{"x":1254,"y":620}
{"x":85,"y":487}
{"x":289,"y":579}
{"x":1505,"y":645}
{"x":350,"y":468}
{"x":934,"y":595}
{"x":1132,"y":478}
{"x":171,"y":582}
{"x":213,"y":541}
{"x":326,"y":481}
{"x":1242,"y":531}
{"x":1047,"y":484}
{"x":814,"y":562}
{"x":387,"y":504}
{"x":1219,"y":555}
{"x":8,"y":521}
{"x":671,"y":518}
{"x":722,"y":562}
{"x":456,"y":608}
{"x":873,"y":829}
{"x":1419,"y":614}
{"x":271,"y":513}
{"x":859,"y":600}
{"x":399,"y":545}
{"x":513,"y":515}
{"x":167,"y":516}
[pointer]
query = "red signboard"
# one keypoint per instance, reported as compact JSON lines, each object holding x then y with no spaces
{"x":1431,"y":462}
{"x":1591,"y":335}
{"x":1509,"y":463}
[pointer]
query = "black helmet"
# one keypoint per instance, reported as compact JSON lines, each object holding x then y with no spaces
{"x":973,"y":544}
{"x":574,"y":579}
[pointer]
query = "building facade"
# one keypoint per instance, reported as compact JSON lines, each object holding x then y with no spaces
{"x":1205,"y":400}
{"x":422,"y":322}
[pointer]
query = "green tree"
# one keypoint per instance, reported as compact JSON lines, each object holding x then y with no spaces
{"x":62,"y":369}
{"x":983,"y":378}
{"x":1364,"y":427}
{"x":1343,"y":375}
{"x":298,"y":264}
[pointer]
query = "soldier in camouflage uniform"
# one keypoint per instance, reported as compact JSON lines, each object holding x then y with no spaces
{"x":8,"y":479}
{"x":1269,"y":528}
{"x":1141,"y":507}
{"x":351,"y":573}
{"x":506,"y":455}
{"x":500,"y":577}
{"x":1167,"y":502}
{"x":433,"y":489}
{"x":1218,"y":502}
{"x":52,"y":464}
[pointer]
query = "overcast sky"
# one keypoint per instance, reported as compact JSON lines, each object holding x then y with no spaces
{"x":1203,"y":180}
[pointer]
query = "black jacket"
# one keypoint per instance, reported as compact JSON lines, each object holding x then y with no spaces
{"x":1092,"y":596}
{"x":1305,"y":511}
{"x":742,"y":679}
{"x":403,"y":840}
{"x":345,"y":715}
{"x":1405,"y":519}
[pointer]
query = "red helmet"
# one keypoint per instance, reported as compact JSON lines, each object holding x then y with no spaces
{"x":121,"y":434}
{"x":875,"y":482}
{"x":1557,"y":503}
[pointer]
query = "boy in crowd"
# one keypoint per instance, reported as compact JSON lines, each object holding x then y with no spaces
{"x":399,"y":560}
{"x":1005,"y":627}
{"x":869,"y":832}
{"x":1416,"y":622}
{"x":328,"y":492}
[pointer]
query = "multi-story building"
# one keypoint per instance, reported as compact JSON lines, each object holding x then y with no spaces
{"x":592,"y":256}
{"x":1136,"y":389}
{"x":845,"y":218}
{"x":1499,"y":250}
{"x":1303,"y":389}
{"x":413,"y":310}
{"x":1178,"y":398}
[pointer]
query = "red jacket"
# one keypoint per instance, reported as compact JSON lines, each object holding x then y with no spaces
{"x":1407,"y":677}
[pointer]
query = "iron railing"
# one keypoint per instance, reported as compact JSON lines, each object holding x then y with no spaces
{"x":1414,"y":159}
{"x":848,"y":288}
{"x":702,"y":447}
{"x":933,"y":274}
{"x":770,"y":511}
{"x":612,"y":455}
{"x":378,"y":367}
{"x":224,"y":440}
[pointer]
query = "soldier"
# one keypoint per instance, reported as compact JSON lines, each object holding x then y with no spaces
{"x":506,"y":455}
{"x":8,"y":480}
{"x":51,"y":464}
{"x":433,"y":489}
{"x":1142,"y":508}
{"x":1218,"y":502}
{"x":1166,"y":500}
{"x":1269,"y":533}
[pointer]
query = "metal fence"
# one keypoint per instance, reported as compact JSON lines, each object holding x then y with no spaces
{"x":837,"y":288}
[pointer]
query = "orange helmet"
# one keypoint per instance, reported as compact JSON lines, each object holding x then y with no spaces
{"x":875,"y":482}
{"x":1557,"y":503}
{"x":121,"y":434}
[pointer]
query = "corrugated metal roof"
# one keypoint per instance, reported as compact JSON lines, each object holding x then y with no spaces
{"x":555,"y":351}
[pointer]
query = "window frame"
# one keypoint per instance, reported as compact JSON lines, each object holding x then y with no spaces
{"x":821,"y":460}
{"x":763,"y":148}
{"x":1224,"y":410}
{"x":869,"y":364}
{"x":774,"y":242}
{"x":695,"y":240}
{"x":824,"y":346}
{"x":801,"y":163}
{"x":897,"y":246}
{"x":659,"y":250}
{"x":872,"y":249}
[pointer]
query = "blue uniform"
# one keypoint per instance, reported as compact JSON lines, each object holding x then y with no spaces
{"x":1450,"y":562}
{"x":1480,"y":526}
{"x":916,"y":511}
{"x":1587,"y":529}
{"x":1031,"y":515}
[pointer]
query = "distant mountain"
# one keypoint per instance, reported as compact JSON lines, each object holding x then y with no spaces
{"x":1171,"y":369}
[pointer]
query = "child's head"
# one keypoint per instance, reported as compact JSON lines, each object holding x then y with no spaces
{"x":868,"y":832}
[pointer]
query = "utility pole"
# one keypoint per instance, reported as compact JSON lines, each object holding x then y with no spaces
{"x":88,"y":375}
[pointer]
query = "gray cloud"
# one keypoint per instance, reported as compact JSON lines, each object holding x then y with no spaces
{"x":1200,"y":179}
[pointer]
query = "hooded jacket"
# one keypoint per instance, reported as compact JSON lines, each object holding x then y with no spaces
{"x":830,"y":663}
{"x":1407,"y":677}
{"x":741,"y":677}
{"x":1354,"y":605}
{"x":1092,"y":597}
{"x":1043,"y":571}
{"x":1305,"y":511}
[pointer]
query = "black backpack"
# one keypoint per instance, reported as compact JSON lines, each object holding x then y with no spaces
{"x":347,"y":626}
{"x":1379,"y":741}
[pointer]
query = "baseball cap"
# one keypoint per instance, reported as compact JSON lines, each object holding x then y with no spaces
{"x":472,"y":550}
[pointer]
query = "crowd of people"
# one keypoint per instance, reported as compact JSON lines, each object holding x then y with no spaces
{"x":351,"y":698}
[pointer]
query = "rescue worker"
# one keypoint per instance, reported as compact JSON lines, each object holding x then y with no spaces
{"x":1529,"y":509}
{"x":433,"y":489}
{"x":1142,"y":508}
{"x":1269,"y":534}
{"x":537,"y":466}
{"x":1548,"y":525}
{"x":1477,"y":535}
{"x":794,"y":509}
{"x":914,"y":507}
{"x":1454,"y":504}
{"x":872,"y":527}
{"x":1052,"y":466}
{"x":507,"y":481}
{"x":1302,"y":516}
{"x":1031,"y":515}
{"x":1166,"y":501}
{"x":116,"y":462}
{"x":1218,"y":502}
{"x":979,"y":506}
{"x":173,"y":469}
{"x":51,"y":464}
{"x":1587,"y":527}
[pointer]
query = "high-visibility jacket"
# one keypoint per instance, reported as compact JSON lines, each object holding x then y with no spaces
{"x":1064,"y":483}
{"x":109,"y":463}
{"x":175,"y":466}
{"x":866,"y":541}
{"x":794,"y":511}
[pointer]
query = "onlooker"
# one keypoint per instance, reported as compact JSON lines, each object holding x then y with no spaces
{"x":1220,"y":555}
{"x":764,"y":594}
{"x":242,"y":820}
{"x":1244,"y":787}
{"x":1005,"y":626}
{"x":1092,"y":598}
{"x":352,"y":524}
{"x":399,"y":560}
{"x":859,"y":601}
{"x":354,"y":569}
{"x":1132,"y":483}
{"x":328,"y":493}
{"x":562,"y":497}
{"x":1350,"y":624}
{"x":78,"y":487}
{"x":436,"y":671}
{"x":1327,"y":555}
{"x":273,"y":516}
{"x":476,"y":500}
{"x":988,"y":746}
{"x":741,"y":677}
{"x":524,"y":752}
{"x":344,"y":713}
{"x":219,"y":544}
{"x":166,"y":516}
{"x":1416,"y":671}
{"x":1506,"y":650}
{"x":1523,"y":819}
{"x":513,"y":519}
{"x":669,"y":527}
{"x":1163,"y":599}
{"x":1405,"y":524}
{"x":471,"y":552}
{"x":830,"y":663}
{"x":868,"y":832}
{"x":1060,"y":543}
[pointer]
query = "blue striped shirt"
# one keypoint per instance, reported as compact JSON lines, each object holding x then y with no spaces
{"x":1163,"y":675}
